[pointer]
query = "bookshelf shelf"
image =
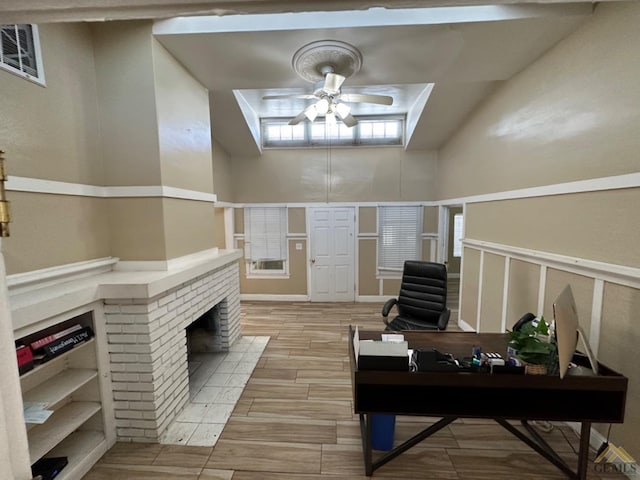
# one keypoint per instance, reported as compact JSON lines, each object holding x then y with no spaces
{"x":60,"y":386}
{"x":83,"y":449}
{"x":60,"y":425}
{"x":75,"y":386}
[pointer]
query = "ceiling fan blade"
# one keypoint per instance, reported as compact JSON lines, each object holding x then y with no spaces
{"x":280,"y":97}
{"x":332,"y":83}
{"x":349,"y":120}
{"x":366,"y":98}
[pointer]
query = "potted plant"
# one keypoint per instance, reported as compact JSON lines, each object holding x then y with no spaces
{"x":534,"y":346}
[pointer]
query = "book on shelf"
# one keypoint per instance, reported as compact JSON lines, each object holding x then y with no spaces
{"x":24,"y":356}
{"x":41,"y":342}
{"x":67,"y":342}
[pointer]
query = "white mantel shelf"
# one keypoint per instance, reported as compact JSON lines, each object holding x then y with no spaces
{"x":38,"y":304}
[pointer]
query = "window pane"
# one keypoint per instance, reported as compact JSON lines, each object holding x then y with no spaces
{"x":383,"y":131}
{"x":268,"y":265}
{"x":297,"y":132}
{"x":317,"y":131}
{"x":366,"y":130}
{"x":391,"y":129}
{"x":457,"y":234}
{"x":273,"y":132}
{"x":378,"y":130}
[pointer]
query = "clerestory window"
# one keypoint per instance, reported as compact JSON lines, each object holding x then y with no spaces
{"x":378,"y":130}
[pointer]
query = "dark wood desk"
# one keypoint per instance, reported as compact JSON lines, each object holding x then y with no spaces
{"x":503,"y":397}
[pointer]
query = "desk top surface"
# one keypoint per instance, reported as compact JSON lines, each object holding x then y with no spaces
{"x":460,"y":344}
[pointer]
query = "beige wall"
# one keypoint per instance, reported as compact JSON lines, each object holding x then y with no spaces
{"x":221,"y":170}
{"x":52,"y":132}
{"x":296,"y":284}
{"x":50,"y":230}
{"x":367,"y":282}
{"x":184,"y":127}
{"x":136,"y":231}
{"x":296,"y":220}
{"x":522,"y":294}
{"x":188,"y":226}
{"x":593,"y":225}
{"x":238,"y":220}
{"x":367,"y":220}
{"x":571,"y":115}
{"x":341,"y":175}
{"x":127,"y":103}
{"x":492,"y":293}
{"x":430,"y":220}
{"x":219,"y":228}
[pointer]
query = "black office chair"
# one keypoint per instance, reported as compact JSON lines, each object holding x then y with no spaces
{"x":522,"y":321}
{"x":422,"y":302}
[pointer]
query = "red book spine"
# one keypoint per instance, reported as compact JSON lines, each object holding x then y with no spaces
{"x":55,"y":336}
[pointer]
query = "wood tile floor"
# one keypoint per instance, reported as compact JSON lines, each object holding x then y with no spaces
{"x":295,"y":421}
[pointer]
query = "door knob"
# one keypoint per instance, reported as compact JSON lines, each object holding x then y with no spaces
{"x":313,"y":260}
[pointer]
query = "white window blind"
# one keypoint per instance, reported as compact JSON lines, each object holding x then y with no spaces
{"x":20,"y":51}
{"x":399,"y":229}
{"x":265,"y":230}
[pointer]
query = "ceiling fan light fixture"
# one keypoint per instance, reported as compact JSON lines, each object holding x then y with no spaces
{"x":341,"y":109}
{"x":330,"y":118}
{"x":311,"y":112}
{"x":323,"y":106}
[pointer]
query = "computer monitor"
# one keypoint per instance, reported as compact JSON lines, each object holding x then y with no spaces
{"x":568,"y":330}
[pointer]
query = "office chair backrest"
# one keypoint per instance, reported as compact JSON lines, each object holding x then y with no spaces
{"x":423,"y":292}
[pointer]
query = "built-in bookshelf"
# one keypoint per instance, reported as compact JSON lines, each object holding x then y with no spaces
{"x":74,"y":385}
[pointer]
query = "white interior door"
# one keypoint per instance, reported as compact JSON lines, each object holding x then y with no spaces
{"x":331,"y":262}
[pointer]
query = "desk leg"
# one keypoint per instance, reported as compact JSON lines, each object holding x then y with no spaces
{"x":365,"y":433}
{"x":583,"y":455}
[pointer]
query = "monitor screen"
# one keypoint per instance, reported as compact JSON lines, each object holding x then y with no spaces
{"x":567,"y":331}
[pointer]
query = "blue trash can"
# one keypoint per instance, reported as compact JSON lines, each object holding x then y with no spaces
{"x":382,"y":431}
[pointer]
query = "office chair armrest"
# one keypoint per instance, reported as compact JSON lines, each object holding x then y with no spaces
{"x":444,"y":319}
{"x":386,"y":308}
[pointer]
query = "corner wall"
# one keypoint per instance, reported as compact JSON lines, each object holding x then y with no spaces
{"x":571,"y":116}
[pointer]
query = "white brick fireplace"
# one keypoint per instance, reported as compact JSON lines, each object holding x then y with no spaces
{"x":148,"y":348}
{"x":145,"y":314}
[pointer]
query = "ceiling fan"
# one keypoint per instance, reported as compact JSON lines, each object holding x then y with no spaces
{"x":329,"y":100}
{"x":319,"y":62}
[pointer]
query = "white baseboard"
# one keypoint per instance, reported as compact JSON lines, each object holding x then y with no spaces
{"x":465,"y":326}
{"x":260,"y":297}
{"x":373,"y":298}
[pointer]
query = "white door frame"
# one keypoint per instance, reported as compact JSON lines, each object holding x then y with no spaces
{"x":310,"y":248}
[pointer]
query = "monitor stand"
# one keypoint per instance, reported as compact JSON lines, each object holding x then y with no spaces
{"x":584,"y":371}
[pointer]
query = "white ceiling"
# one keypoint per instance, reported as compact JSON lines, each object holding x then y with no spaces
{"x":465,"y":51}
{"x":464,"y":48}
